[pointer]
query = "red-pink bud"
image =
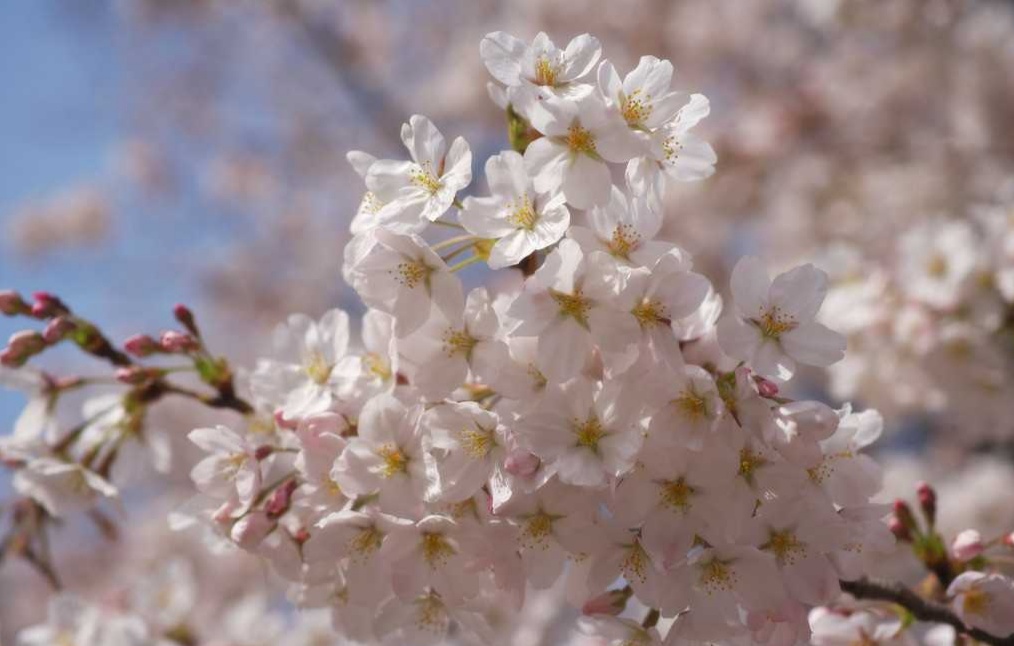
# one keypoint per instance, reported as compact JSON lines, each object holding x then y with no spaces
{"x":47,"y":305}
{"x":12,"y":359}
{"x":141,"y":345}
{"x":928,"y":502}
{"x":612,"y":603}
{"x":967,"y":545}
{"x":250,"y":530}
{"x":899,"y":530}
{"x":521,"y":463}
{"x":173,"y":341}
{"x":263,"y":451}
{"x":57,"y":329}
{"x":301,"y":535}
{"x":766,"y":387}
{"x":903,"y":514}
{"x":185,"y":317}
{"x":12,"y":304}
{"x":278,"y":503}
{"x":136,"y":374}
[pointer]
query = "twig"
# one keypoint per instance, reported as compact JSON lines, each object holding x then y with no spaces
{"x":920,"y":608}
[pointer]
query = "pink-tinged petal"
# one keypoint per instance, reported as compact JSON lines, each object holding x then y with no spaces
{"x":750,"y":286}
{"x":799,"y":292}
{"x":738,"y":339}
{"x":814,"y":344}
{"x":564,"y":348}
{"x":502,"y":54}
{"x":771,"y":361}
{"x":587,"y":182}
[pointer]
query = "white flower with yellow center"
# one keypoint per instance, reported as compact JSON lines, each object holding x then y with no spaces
{"x":402,"y":276}
{"x":625,"y":228}
{"x":407,"y":195}
{"x":539,"y":69}
{"x":519,"y":218}
{"x":232,"y":469}
{"x":686,"y":403}
{"x":581,"y":136}
{"x":303,"y":379}
{"x":643,"y":97}
{"x":585,"y":430}
{"x":771,"y":325}
{"x":429,"y":556}
{"x":984,"y":600}
{"x":386,"y":457}
{"x":468,"y":446}
{"x":62,"y":487}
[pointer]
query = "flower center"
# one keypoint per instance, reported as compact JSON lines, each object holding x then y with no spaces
{"x":749,"y":462}
{"x":717,"y":576}
{"x":424,"y":177}
{"x":537,"y":530}
{"x":636,"y":109}
{"x":785,"y":546}
{"x":395,"y":461}
{"x":671,"y":148}
{"x":573,"y":305}
{"x":676,"y":494}
{"x":430,"y":614}
{"x":523,"y":215}
{"x":318,"y":369}
{"x":580,"y":140}
{"x":937,"y":266}
{"x":650,"y":312}
{"x":412,"y":273}
{"x":458,"y":342}
{"x":377,"y":366}
{"x":589,"y":432}
{"x":773,"y":323}
{"x":625,"y":239}
{"x":635,"y":563}
{"x":477,"y":442}
{"x":976,"y":602}
{"x":365,"y":542}
{"x":436,"y":550}
{"x":545,"y":73}
{"x":692,"y":405}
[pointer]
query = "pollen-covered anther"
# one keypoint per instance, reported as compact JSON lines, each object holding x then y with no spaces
{"x":394,"y":461}
{"x":624,"y":240}
{"x":773,"y":322}
{"x":580,"y":140}
{"x":425,"y":178}
{"x":522,"y":213}
{"x":436,"y":549}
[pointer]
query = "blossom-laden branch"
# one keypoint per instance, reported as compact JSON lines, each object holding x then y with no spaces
{"x":920,"y":608}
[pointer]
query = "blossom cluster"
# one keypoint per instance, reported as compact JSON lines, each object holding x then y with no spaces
{"x":933,"y":321}
{"x":596,"y":414}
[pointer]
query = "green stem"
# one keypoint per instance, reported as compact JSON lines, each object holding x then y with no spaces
{"x":465,"y":263}
{"x":456,"y":252}
{"x":452,"y":225}
{"x":450,"y":242}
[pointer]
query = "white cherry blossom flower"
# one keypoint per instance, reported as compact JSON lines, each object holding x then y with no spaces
{"x":416,"y":192}
{"x":540,"y":66}
{"x":984,"y":601}
{"x":468,"y":446}
{"x":519,"y":218}
{"x":62,"y":487}
{"x":772,"y":324}
{"x":232,"y":468}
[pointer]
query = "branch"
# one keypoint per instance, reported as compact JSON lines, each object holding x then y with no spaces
{"x":920,"y":608}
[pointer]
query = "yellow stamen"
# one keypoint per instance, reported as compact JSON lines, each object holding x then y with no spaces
{"x":365,"y":542}
{"x":975,"y":602}
{"x":523,"y":215}
{"x":677,"y":494}
{"x":477,"y":442}
{"x":436,"y":550}
{"x":635,"y":563}
{"x":412,"y":273}
{"x":749,"y":462}
{"x":635,"y":109}
{"x":545,"y":73}
{"x":377,"y":366}
{"x":589,"y":432}
{"x":537,"y":530}
{"x":717,"y":576}
{"x":773,"y":323}
{"x":650,"y":312}
{"x":573,"y":305}
{"x":318,"y":369}
{"x":785,"y":546}
{"x":430,"y":614}
{"x":458,"y":342}
{"x":395,"y":461}
{"x":625,"y":239}
{"x":580,"y":140}
{"x":424,"y":177}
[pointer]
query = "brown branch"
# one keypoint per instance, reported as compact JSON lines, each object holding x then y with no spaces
{"x":920,"y":608}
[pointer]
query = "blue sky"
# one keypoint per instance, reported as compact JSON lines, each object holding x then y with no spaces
{"x":59,"y":121}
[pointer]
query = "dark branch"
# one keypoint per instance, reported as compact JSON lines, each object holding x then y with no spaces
{"x":920,"y":608}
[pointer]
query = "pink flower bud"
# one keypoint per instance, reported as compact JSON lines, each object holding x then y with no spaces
{"x":11,"y":359}
{"x":173,"y":341}
{"x":26,"y":343}
{"x":47,"y":305}
{"x":224,"y":514}
{"x":1008,"y":539}
{"x":521,"y":463}
{"x":250,"y":530}
{"x":278,"y":503}
{"x":12,"y":304}
{"x":185,"y":317}
{"x":57,"y":329}
{"x":610,"y":603}
{"x":263,"y":451}
{"x":766,"y":387}
{"x":927,"y":501}
{"x":301,"y":535}
{"x":967,"y":545}
{"x":899,"y":530}
{"x":135,"y":374}
{"x":141,"y":345}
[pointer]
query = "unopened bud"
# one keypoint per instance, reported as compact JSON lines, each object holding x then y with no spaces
{"x":12,"y":304}
{"x":186,"y":318}
{"x":903,"y":514}
{"x":57,"y":329}
{"x":11,"y":359}
{"x":173,"y":341}
{"x":967,"y":545}
{"x":136,"y":374}
{"x":47,"y":305}
{"x":301,"y":535}
{"x":899,"y":530}
{"x":610,"y":603}
{"x":280,"y":499}
{"x":26,"y":343}
{"x":141,"y":345}
{"x":766,"y":387}
{"x":928,"y":502}
{"x":521,"y":463}
{"x":263,"y":451}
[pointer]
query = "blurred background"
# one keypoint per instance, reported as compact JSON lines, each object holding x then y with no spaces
{"x":163,"y":151}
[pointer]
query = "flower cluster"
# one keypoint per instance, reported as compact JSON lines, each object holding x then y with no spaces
{"x":930,"y":326}
{"x":594,"y":415}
